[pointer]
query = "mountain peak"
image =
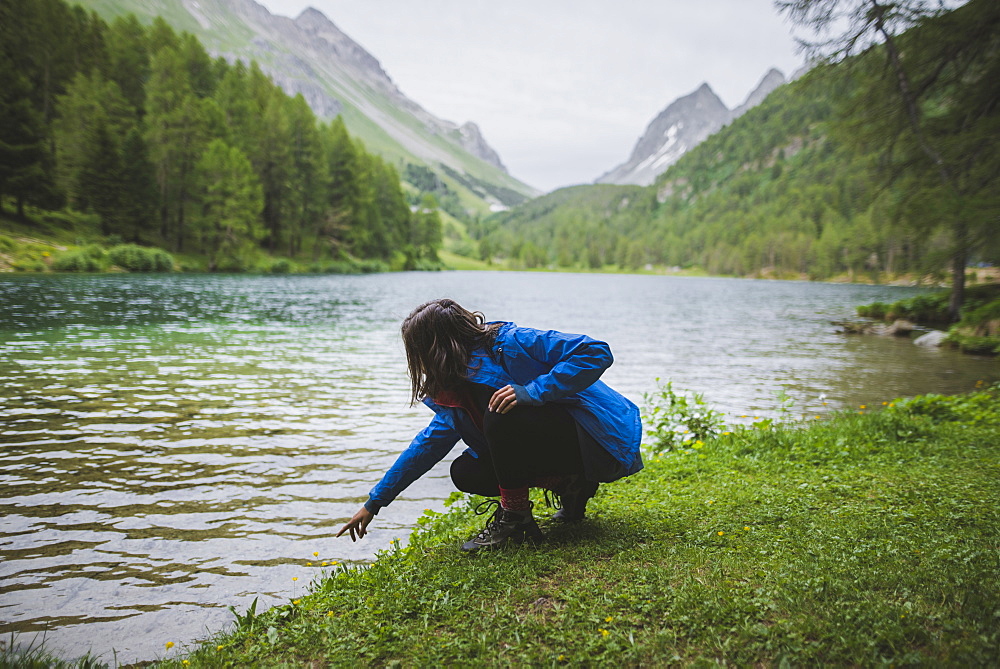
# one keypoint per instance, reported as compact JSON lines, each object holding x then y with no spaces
{"x":681,"y":126}
{"x":771,"y":80}
{"x":311,"y":56}
{"x":311,"y":14}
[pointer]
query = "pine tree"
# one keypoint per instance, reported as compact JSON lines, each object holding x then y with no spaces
{"x":139,"y":194}
{"x":22,"y":140}
{"x":929,"y":105}
{"x":176,"y":136}
{"x":227,"y":223}
{"x":100,"y":178}
{"x":128,"y":58}
{"x":341,"y":190}
{"x":305,"y":174}
{"x":89,"y":101}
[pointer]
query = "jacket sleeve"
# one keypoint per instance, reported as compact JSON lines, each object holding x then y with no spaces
{"x":426,"y":450}
{"x":573,"y":362}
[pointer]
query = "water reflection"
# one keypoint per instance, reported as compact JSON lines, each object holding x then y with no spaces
{"x":174,"y":445}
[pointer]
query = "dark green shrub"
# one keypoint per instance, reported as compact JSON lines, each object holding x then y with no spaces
{"x":29,"y":265}
{"x":339,"y":267}
{"x":931,"y":308}
{"x":135,"y":258}
{"x":873,"y":310}
{"x":162,"y":261}
{"x":280,"y":266}
{"x":372,"y":266}
{"x":87,"y":259}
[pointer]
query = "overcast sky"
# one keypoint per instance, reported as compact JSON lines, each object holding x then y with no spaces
{"x":562,"y":89}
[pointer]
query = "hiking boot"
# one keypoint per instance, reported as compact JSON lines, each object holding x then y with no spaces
{"x":504,"y":527}
{"x":574,"y":495}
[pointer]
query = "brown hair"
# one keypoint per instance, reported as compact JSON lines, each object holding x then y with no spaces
{"x":439,"y":337}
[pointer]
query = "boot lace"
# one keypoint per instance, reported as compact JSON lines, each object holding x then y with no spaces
{"x":493,"y":523}
{"x":553,"y":500}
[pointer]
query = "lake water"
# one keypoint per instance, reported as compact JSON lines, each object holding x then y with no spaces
{"x":173,"y":445}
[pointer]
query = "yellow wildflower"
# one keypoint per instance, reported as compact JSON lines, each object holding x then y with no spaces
{"x":169,"y":645}
{"x":608,"y":619}
{"x":309,"y":564}
{"x":863,"y":407}
{"x":603,"y":631}
{"x":560,"y":658}
{"x":721,"y":533}
{"x":329,"y":614}
{"x":296,"y":601}
{"x":711,"y":501}
{"x":315,"y":553}
{"x":219,"y":647}
{"x":335,"y":562}
{"x":295,"y":578}
{"x":746,"y":527}
{"x":324,"y":564}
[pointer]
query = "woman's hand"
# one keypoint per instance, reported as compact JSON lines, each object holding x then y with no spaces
{"x":503,"y":400}
{"x":358,"y":525}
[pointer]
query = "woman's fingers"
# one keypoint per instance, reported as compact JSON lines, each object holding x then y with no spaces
{"x":358,"y":525}
{"x":503,"y":400}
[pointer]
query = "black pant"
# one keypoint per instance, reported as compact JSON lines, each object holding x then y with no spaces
{"x":525,"y":443}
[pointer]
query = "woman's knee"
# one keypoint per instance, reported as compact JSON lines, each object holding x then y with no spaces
{"x":473,"y":475}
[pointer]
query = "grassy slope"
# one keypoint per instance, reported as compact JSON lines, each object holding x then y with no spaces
{"x":231,"y":34}
{"x":867,"y":539}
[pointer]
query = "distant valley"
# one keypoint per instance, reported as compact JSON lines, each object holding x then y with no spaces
{"x":336,"y":76}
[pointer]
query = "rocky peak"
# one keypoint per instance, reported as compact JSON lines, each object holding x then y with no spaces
{"x":685,"y":123}
{"x":312,"y":56}
{"x":675,"y":131}
{"x":473,"y":141}
{"x":771,"y":80}
{"x":326,"y":36}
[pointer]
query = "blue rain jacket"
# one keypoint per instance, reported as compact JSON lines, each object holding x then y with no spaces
{"x":542,"y":367}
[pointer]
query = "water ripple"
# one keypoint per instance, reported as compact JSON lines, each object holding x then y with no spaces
{"x":172,"y":445}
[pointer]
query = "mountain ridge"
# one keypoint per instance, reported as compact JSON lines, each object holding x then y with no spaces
{"x":681,"y":126}
{"x":310,"y":55}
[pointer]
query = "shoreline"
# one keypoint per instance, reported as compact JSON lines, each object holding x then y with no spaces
{"x":686,"y":560}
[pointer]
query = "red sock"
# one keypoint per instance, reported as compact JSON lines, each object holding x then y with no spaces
{"x":515,"y":499}
{"x":551,"y":482}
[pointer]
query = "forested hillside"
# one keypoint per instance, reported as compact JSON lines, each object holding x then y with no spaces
{"x":155,"y":142}
{"x":815,"y":182}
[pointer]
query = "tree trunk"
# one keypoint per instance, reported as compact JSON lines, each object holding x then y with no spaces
{"x":958,"y":261}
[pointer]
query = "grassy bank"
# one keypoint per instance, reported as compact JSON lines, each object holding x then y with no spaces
{"x":867,"y":539}
{"x":978,"y":331}
{"x":68,"y":241}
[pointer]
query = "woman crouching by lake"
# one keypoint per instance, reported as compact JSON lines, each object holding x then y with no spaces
{"x":529,"y":406}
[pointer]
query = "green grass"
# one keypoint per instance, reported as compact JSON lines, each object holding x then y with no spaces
{"x":455,"y":261}
{"x":869,"y":539}
{"x":978,"y":331}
